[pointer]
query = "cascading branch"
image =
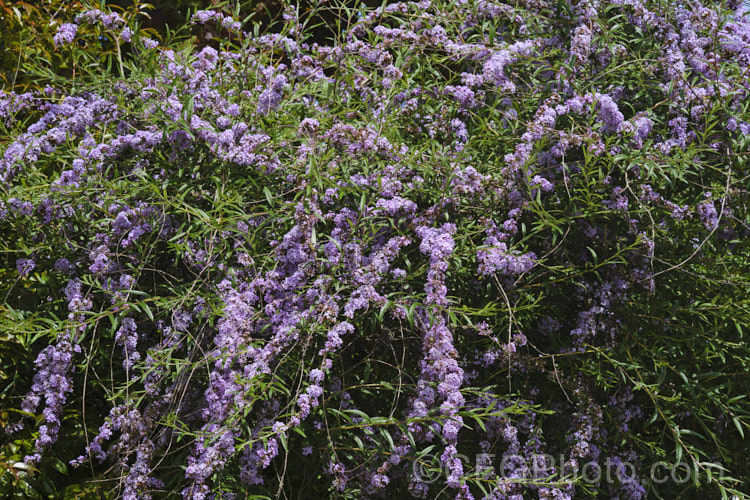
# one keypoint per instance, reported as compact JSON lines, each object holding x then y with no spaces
{"x":469,"y":249}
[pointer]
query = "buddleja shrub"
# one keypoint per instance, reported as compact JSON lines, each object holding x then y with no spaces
{"x":466,"y":249}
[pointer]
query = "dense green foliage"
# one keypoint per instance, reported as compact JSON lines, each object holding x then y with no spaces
{"x":455,"y":239}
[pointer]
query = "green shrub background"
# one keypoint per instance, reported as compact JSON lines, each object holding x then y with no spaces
{"x":669,"y":349}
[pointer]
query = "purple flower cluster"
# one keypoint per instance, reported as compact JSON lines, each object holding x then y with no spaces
{"x":127,"y":337}
{"x":205,"y":16}
{"x":707,"y":213}
{"x":66,"y":34}
{"x":497,"y":258}
{"x":25,"y":266}
{"x":438,"y":244}
{"x":494,"y":68}
{"x":109,"y":20}
{"x":53,"y":379}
